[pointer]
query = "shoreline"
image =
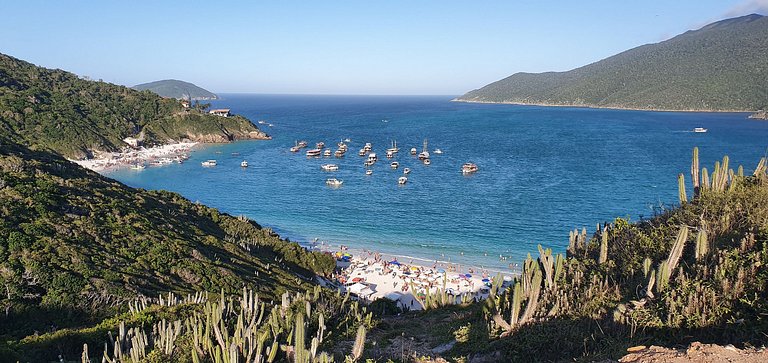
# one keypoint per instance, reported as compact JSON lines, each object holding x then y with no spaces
{"x":154,"y":156}
{"x":595,"y":106}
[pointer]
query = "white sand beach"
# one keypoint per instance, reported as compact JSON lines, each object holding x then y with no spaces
{"x":156,"y":156}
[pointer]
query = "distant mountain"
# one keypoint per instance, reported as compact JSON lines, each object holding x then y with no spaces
{"x":56,"y":110}
{"x":720,"y":67}
{"x":171,"y":88}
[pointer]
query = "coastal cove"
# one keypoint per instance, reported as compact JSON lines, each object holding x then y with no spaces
{"x":543,"y":171}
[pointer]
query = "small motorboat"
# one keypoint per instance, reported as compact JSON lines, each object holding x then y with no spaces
{"x":327,"y":153}
{"x":369,"y":172}
{"x":329,"y":167}
{"x":314,"y":152}
{"x":438,"y":151}
{"x":320,"y":145}
{"x":302,"y":144}
{"x":333,"y":182}
{"x":372,"y":157}
{"x":368,"y":147}
{"x":699,"y":130}
{"x":402,"y":180}
{"x":426,"y":161}
{"x":347,"y":140}
{"x":339,"y":153}
{"x":390,"y":154}
{"x":413,"y":151}
{"x":394,"y":165}
{"x":424,"y":154}
{"x":407,"y":171}
{"x":209,"y":163}
{"x":361,"y":152}
{"x":468,"y":168}
{"x":138,"y":167}
{"x":368,"y":163}
{"x":244,"y":164}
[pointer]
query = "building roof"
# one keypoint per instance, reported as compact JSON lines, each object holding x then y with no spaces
{"x":219,"y":110}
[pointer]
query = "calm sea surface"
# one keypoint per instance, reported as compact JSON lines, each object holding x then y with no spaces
{"x":543,"y":171}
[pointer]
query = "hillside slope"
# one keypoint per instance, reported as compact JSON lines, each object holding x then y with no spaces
{"x":56,"y":110}
{"x":172,"y":88}
{"x":72,"y":240}
{"x":721,"y":66}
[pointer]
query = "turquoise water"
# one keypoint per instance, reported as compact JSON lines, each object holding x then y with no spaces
{"x":543,"y":171}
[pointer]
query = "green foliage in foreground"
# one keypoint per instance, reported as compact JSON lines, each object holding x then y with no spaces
{"x":75,"y":246}
{"x":721,"y":66}
{"x":57,"y":110}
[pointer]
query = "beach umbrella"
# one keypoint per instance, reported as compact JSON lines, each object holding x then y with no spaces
{"x":486,"y":280}
{"x":394,"y":262}
{"x":468,"y":276}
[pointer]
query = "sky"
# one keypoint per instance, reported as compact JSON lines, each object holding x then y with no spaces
{"x":340,"y":47}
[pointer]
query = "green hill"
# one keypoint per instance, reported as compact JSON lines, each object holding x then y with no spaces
{"x":721,"y":66}
{"x":75,"y":245}
{"x":171,"y":88}
{"x":56,"y":110}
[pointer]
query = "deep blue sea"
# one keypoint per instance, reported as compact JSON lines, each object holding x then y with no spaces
{"x":543,"y":171}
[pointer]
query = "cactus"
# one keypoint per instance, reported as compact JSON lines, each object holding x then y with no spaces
{"x":357,"y":349}
{"x":646,"y":266}
{"x":651,"y":281}
{"x":695,"y":172}
{"x":681,"y":189}
{"x":516,"y":300}
{"x":533,"y":297}
{"x":603,"y":247}
{"x":301,"y":355}
{"x":705,"y":185}
{"x":545,"y":257}
{"x":677,"y":248}
{"x":702,"y":245}
{"x":559,"y":260}
{"x":662,"y":277}
{"x":761,"y":168}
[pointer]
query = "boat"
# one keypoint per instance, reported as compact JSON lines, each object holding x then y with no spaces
{"x":339,"y":153}
{"x":426,"y":162}
{"x":368,"y":171}
{"x":413,"y":151}
{"x":699,"y":130}
{"x":244,"y":164}
{"x":390,"y":155}
{"x":327,"y":152}
{"x":424,"y":154}
{"x":261,"y":122}
{"x":394,"y":148}
{"x":402,"y":180}
{"x":438,"y":151}
{"x":367,"y":163}
{"x":407,"y":171}
{"x":235,"y":154}
{"x":209,"y":163}
{"x":320,"y":145}
{"x":468,"y":168}
{"x":302,"y":144}
{"x":333,"y":182}
{"x":367,"y":147}
{"x":361,"y":152}
{"x":347,"y":140}
{"x":394,"y":165}
{"x":329,"y":167}
{"x":138,"y":167}
{"x":314,"y":152}
{"x":372,"y":157}
{"x":295,"y":149}
{"x":270,"y":125}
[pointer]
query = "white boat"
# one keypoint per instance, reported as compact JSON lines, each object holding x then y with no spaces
{"x":390,"y":154}
{"x":468,"y":168}
{"x":138,"y":167}
{"x":394,"y":165}
{"x":368,"y":163}
{"x":329,"y":167}
{"x":295,"y":149}
{"x":402,"y":180}
{"x":438,"y":151}
{"x":302,"y":144}
{"x":347,"y":140}
{"x":424,"y":154}
{"x":413,"y":151}
{"x":361,"y":152}
{"x":394,"y":148}
{"x":407,"y":171}
{"x":209,"y":163}
{"x":368,"y":171}
{"x":244,"y":164}
{"x":270,"y":125}
{"x":426,"y":162}
{"x":333,"y":182}
{"x":372,"y":157}
{"x":314,"y":152}
{"x":700,"y":130}
{"x":339,"y":153}
{"x":327,"y":153}
{"x":261,"y":122}
{"x":320,"y":145}
{"x":367,"y":147}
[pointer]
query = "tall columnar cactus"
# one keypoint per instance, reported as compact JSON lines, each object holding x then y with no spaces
{"x":702,"y":245}
{"x":357,"y":349}
{"x":761,"y":168}
{"x":548,"y":262}
{"x":533,"y":297}
{"x":517,"y":297}
{"x":681,"y":189}
{"x":300,"y":353}
{"x":603,"y":246}
{"x":705,"y":185}
{"x":647,"y":266}
{"x":559,"y":260}
{"x":695,"y":172}
{"x":668,"y":266}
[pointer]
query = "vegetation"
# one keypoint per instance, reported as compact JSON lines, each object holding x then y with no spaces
{"x":171,"y":88}
{"x":718,"y":67}
{"x":76,"y":246}
{"x":58,"y":111}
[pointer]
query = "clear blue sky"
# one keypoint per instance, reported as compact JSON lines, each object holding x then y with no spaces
{"x":340,"y":47}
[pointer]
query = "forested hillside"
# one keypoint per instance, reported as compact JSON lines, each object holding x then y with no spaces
{"x":56,"y":110}
{"x":721,"y":66}
{"x":171,"y":88}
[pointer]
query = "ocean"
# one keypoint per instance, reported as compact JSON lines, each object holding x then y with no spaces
{"x":542,"y":172}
